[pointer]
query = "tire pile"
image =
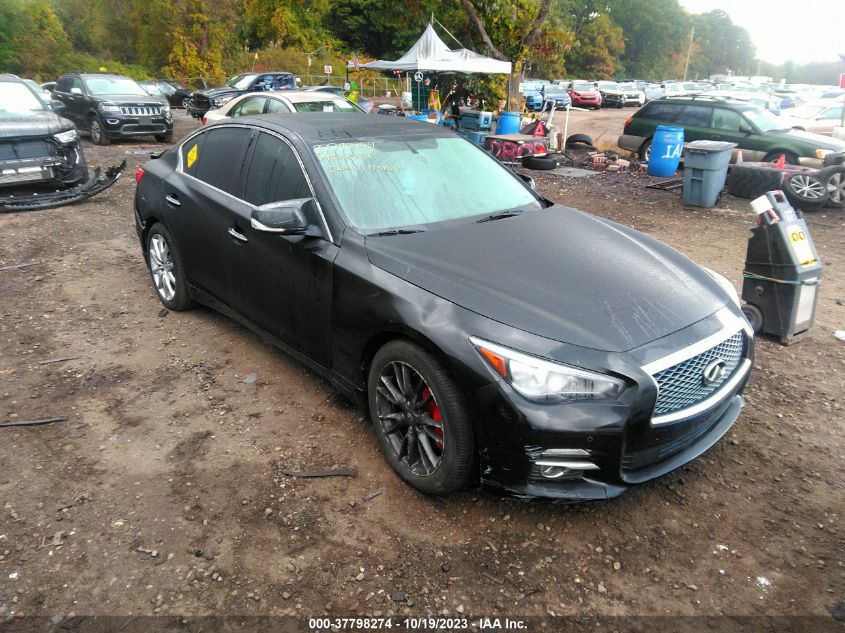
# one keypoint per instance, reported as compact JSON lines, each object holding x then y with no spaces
{"x":806,"y":188}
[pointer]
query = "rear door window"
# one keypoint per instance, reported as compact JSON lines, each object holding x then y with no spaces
{"x":696,"y":116}
{"x":666,"y":112}
{"x":274,"y":173}
{"x":277,"y":105}
{"x":249,"y":107}
{"x":221,"y":158}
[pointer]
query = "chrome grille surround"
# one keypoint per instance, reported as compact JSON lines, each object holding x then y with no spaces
{"x":140,"y":110}
{"x":682,"y":391}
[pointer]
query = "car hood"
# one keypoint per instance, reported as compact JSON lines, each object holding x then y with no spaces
{"x":213,"y":93}
{"x":819,"y":141}
{"x":132,"y":99}
{"x":33,"y":124}
{"x":557,"y":273}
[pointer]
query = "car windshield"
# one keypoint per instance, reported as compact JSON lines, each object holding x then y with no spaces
{"x":764,"y":120}
{"x":152,"y":90}
{"x":241,"y":82}
{"x":338,"y":105}
{"x":628,"y":86}
{"x":608,"y":85}
{"x":16,"y":98}
{"x":673,"y":88}
{"x":584,"y":87}
{"x":104,"y":86}
{"x":390,"y":183}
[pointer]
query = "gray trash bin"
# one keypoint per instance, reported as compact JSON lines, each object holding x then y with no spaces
{"x":705,"y":169}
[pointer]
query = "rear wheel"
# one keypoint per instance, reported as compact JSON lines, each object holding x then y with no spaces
{"x":645,"y":150}
{"x":185,"y":102}
{"x":420,"y":418}
{"x":166,"y":269}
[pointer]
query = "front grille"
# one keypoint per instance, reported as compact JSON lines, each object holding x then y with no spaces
{"x":140,"y":110}
{"x":19,"y":150}
{"x":682,"y":385}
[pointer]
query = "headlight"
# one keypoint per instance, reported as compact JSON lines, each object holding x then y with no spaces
{"x":726,"y":285}
{"x":540,"y":380}
{"x":66,"y":137}
{"x":821,"y":153}
{"x":219,"y":101}
{"x":109,"y":108}
{"x":166,"y":108}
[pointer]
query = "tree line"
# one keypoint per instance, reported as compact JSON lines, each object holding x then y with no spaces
{"x":181,"y":39}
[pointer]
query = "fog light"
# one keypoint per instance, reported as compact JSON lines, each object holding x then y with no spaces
{"x":552,"y":472}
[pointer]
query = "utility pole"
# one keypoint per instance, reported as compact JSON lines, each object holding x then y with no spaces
{"x":689,"y":51}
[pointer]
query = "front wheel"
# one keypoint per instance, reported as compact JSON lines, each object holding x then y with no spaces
{"x":166,"y":270}
{"x":421,"y":419}
{"x":165,"y":138}
{"x":98,"y":135}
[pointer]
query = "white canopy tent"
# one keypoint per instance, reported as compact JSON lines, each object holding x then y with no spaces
{"x":430,"y":54}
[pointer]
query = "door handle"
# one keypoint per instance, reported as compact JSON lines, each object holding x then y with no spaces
{"x":236,"y":234}
{"x":172,"y":200}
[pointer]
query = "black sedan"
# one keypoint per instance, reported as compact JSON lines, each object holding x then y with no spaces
{"x":178,"y":94}
{"x":489,"y":333}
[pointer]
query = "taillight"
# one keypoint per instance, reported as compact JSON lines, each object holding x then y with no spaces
{"x":139,"y":175}
{"x":203,"y":119}
{"x":628,"y":121}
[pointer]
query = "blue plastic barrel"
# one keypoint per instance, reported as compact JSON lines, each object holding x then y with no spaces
{"x":508,"y":123}
{"x":667,"y":146}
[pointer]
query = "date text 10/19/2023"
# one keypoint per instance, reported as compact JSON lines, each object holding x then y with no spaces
{"x":415,"y":624}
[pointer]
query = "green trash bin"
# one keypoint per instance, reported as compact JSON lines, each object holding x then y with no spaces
{"x":705,"y":169}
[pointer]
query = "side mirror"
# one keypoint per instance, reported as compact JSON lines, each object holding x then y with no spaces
{"x":528,"y":180}
{"x":76,"y":91}
{"x":56,"y":105}
{"x":746,"y":129}
{"x":286,"y":217}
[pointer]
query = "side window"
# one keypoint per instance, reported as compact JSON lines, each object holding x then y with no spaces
{"x":698,"y":116}
{"x":662,"y":111}
{"x":833,"y":113}
{"x":727,"y":120}
{"x":221,"y":158}
{"x":274,"y":173}
{"x":63,"y":84}
{"x":277,"y":105}
{"x":265,"y":82}
{"x":191,"y":152}
{"x":77,"y":83}
{"x":249,"y":107}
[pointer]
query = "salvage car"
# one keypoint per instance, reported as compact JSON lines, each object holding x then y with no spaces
{"x":490,"y":333}
{"x":178,"y":94}
{"x":819,"y":117}
{"x":584,"y":95}
{"x":255,"y":103}
{"x":757,"y":132}
{"x":202,"y":101}
{"x":113,"y":107}
{"x":612,"y":94}
{"x":36,"y":144}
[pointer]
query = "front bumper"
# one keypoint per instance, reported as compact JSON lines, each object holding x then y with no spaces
{"x":39,"y":160}
{"x":119,"y":126}
{"x":612,"y":100}
{"x":596,"y":450}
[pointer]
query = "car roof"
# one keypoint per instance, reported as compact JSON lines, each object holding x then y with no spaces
{"x":705,"y":99}
{"x":328,"y":126}
{"x":10,"y":78}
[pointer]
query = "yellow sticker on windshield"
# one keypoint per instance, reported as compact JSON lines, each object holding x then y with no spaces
{"x":192,"y":156}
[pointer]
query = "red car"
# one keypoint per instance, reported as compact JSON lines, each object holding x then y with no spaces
{"x":584,"y":95}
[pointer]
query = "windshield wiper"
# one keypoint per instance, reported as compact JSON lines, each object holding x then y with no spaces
{"x":500,"y":216}
{"x":395,"y":232}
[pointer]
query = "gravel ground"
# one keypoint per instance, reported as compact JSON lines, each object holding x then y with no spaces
{"x":163,"y":492}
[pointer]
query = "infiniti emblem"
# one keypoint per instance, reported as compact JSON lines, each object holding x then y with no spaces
{"x":714,"y":371}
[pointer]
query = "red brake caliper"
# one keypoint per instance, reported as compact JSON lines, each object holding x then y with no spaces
{"x":434,"y":412}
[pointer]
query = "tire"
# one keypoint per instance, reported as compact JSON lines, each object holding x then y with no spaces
{"x":834,"y":180}
{"x":754,"y":316}
{"x":98,"y":135}
{"x":185,"y":102}
{"x":543,"y":163}
{"x":645,"y":150}
{"x":580,"y":142}
{"x":433,"y":459}
{"x":772,"y":157}
{"x":834,"y":159}
{"x":165,"y":138}
{"x":748,"y":180}
{"x":180,"y":299}
{"x":806,"y":190}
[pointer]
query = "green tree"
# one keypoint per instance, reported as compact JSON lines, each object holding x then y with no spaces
{"x":598,"y":47}
{"x":723,"y":46}
{"x":38,"y":39}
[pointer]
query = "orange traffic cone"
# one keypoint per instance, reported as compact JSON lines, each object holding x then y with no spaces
{"x":781,"y":162}
{"x":738,"y":156}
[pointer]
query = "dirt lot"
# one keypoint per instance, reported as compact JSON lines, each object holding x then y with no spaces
{"x":163,"y":492}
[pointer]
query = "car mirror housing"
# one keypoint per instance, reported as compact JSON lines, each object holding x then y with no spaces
{"x":286,"y":217}
{"x":746,"y":129}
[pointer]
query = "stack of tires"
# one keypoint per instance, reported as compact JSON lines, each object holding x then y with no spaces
{"x":806,"y":188}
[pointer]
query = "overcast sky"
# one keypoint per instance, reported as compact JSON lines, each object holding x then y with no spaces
{"x":800,"y":30}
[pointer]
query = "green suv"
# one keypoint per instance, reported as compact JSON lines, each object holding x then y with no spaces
{"x":758,"y":133}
